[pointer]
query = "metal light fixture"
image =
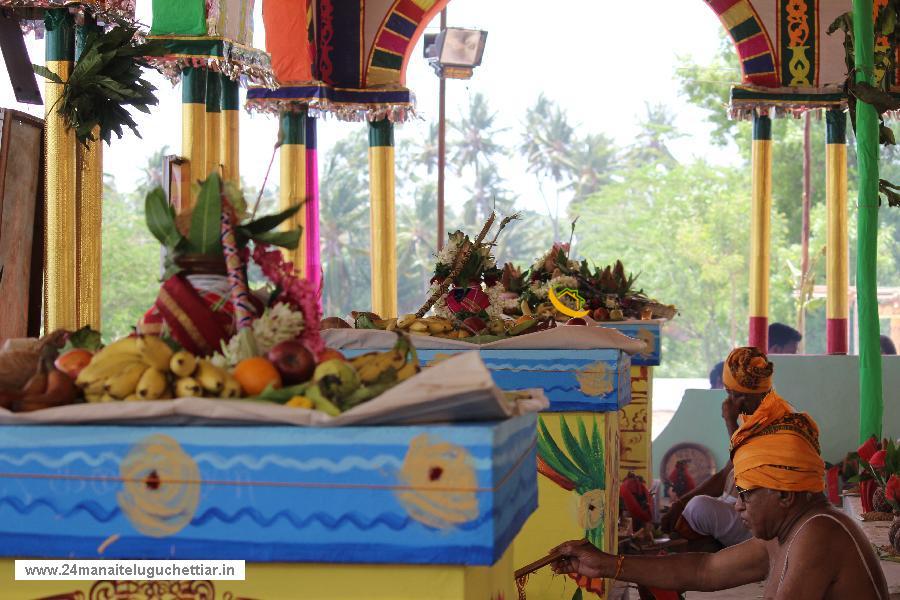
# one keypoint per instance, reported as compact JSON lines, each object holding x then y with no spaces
{"x":455,"y":52}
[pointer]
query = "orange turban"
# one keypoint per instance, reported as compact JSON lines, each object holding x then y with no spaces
{"x":778,"y":449}
{"x":747,"y":370}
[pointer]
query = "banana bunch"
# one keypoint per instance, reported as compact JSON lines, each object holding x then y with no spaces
{"x":197,"y":377}
{"x":434,"y":326}
{"x":146,"y":368}
{"x":386,"y":368}
{"x":133,"y":368}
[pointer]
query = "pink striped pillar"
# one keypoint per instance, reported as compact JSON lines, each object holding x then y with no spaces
{"x":311,"y":235}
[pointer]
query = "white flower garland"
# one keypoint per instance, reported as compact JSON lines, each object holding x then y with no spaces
{"x":277,"y":324}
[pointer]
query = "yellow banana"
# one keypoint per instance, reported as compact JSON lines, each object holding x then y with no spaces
{"x":152,"y":384}
{"x":188,"y":387}
{"x":232,"y":388}
{"x":405,"y":321}
{"x":210,"y":377}
{"x":125,"y":383}
{"x":110,"y":361}
{"x":371,"y":370}
{"x":132,"y":398}
{"x":407,"y":371}
{"x":183,"y":364}
{"x":300,"y":402}
{"x":362,"y":359}
{"x":155,"y":352}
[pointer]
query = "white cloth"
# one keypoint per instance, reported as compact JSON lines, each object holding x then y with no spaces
{"x":716,"y":517}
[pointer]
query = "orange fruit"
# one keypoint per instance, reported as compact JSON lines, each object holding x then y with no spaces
{"x":256,"y":374}
{"x":330,"y":354}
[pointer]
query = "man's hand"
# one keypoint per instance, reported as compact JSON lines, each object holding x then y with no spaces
{"x":582,"y":558}
{"x":730,"y":412}
{"x":667,"y":523}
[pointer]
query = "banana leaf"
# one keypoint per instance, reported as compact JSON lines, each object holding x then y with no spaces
{"x":269,"y":222}
{"x":160,"y":217}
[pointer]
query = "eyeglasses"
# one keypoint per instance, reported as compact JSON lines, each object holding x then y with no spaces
{"x":743,"y":494}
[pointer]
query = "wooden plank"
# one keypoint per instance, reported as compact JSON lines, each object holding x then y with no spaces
{"x":20,"y":160}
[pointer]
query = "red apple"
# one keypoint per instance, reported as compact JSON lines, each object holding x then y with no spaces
{"x":294,"y":361}
{"x":576,"y":321}
{"x":329,"y":354}
{"x":601,"y":314}
{"x":72,"y":362}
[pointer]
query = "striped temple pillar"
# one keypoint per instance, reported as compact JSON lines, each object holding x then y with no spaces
{"x":383,"y":218}
{"x":230,"y":135}
{"x":837,"y":256}
{"x":293,"y":179}
{"x":60,"y":278}
{"x":193,"y":129}
{"x":311,"y":238}
{"x":213,"y":149}
{"x":89,"y":223}
{"x":760,"y":225}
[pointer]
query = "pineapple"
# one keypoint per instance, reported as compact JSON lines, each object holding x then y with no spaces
{"x":880,"y":503}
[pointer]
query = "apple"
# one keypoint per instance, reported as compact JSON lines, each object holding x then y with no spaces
{"x":576,"y":321}
{"x":293,"y":360}
{"x":72,"y":362}
{"x":601,"y":314}
{"x":329,"y":354}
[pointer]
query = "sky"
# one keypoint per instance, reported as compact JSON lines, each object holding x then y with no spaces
{"x":602,"y":60}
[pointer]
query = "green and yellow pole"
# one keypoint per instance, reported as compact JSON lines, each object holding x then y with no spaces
{"x":60,"y":279}
{"x":293,"y":179}
{"x":383,"y":218}
{"x":213,"y":123}
{"x":837,"y":256}
{"x":230,"y":142}
{"x":760,"y":211}
{"x":871,"y":403}
{"x":89,"y":186}
{"x":193,"y":129}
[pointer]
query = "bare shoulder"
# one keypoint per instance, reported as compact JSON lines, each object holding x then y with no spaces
{"x":825,"y":534}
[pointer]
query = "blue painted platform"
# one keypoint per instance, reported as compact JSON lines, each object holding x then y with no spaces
{"x":649,"y":332}
{"x":441,"y":494}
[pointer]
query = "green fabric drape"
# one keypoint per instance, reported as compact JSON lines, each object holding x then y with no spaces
{"x":871,"y":403}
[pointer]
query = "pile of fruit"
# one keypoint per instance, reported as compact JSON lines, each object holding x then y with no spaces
{"x":337,"y":384}
{"x":472,"y":329}
{"x":146,"y":368}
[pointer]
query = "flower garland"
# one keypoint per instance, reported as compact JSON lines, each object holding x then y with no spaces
{"x":298,"y":293}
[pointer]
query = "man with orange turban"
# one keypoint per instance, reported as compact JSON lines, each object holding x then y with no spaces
{"x":802,"y":547}
{"x":706,"y":515}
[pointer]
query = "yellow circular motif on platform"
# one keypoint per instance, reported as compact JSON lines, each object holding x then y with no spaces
{"x":595,"y":379}
{"x":161,"y":486}
{"x":591,"y":509}
{"x":646,"y":336}
{"x":440,"y":483}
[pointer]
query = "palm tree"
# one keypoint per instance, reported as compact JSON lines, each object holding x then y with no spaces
{"x":344,"y":226}
{"x":475,"y":146}
{"x":152,"y":171}
{"x":594,"y":160}
{"x":650,"y":146}
{"x":547,"y":146}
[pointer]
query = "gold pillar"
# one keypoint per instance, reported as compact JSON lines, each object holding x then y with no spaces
{"x":293,"y":178}
{"x":383,"y":218}
{"x":213,"y":144}
{"x":837,"y":248}
{"x":230,"y":141}
{"x":193,"y":127}
{"x":760,"y":227}
{"x":60,"y":280}
{"x":89,"y":232}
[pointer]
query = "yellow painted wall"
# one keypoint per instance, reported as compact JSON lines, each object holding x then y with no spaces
{"x":634,"y":426}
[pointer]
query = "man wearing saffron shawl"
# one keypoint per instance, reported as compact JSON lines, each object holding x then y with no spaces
{"x":707,"y":511}
{"x":801,"y":547}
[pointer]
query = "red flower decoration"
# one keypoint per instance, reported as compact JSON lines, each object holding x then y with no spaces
{"x":892,"y":489}
{"x":877,"y":459}
{"x":868,"y":449}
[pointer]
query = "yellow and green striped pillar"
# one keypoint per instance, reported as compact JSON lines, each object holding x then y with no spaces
{"x":230,"y":141}
{"x":293,"y":179}
{"x":760,"y":225}
{"x":89,"y":218}
{"x":213,"y":148}
{"x":193,"y":129}
{"x":837,"y":258}
{"x":383,"y":218}
{"x":60,"y":278}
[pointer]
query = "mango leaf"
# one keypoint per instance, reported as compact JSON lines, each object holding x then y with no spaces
{"x":270,"y":222}
{"x":283,"y":239}
{"x":206,"y":222}
{"x":161,"y":218}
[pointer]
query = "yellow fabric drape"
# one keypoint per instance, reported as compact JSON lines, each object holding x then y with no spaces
{"x":837,"y":258}
{"x":89,"y":234}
